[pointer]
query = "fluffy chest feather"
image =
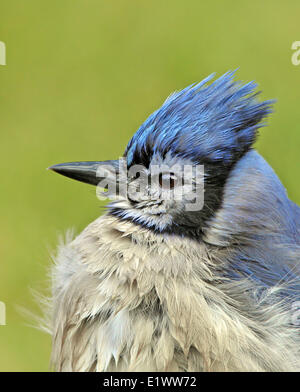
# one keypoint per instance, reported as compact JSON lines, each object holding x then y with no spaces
{"x":127,"y":299}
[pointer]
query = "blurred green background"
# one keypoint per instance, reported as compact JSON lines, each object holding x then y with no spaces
{"x":81,"y":76}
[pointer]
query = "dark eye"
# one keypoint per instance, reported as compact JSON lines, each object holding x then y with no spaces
{"x":136,"y":176}
{"x":167,"y":180}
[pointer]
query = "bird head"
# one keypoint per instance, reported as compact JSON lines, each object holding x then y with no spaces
{"x":173,"y":172}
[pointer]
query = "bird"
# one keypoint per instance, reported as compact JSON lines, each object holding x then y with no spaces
{"x":156,"y":284}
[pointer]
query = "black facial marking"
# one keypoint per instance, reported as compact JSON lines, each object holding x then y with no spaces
{"x":192,"y":223}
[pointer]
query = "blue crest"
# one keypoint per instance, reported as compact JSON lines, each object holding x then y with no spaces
{"x":203,"y":122}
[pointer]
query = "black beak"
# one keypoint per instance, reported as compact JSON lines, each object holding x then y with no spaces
{"x":88,"y":172}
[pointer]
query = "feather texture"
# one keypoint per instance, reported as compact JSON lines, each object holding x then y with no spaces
{"x":125,"y":298}
{"x":151,"y":287}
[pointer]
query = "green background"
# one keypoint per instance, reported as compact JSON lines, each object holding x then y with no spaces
{"x":81,"y":76}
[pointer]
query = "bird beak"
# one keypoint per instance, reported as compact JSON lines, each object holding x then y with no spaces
{"x":89,"y":172}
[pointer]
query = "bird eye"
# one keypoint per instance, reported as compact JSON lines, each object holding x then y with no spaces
{"x":168,"y":180}
{"x":136,"y":176}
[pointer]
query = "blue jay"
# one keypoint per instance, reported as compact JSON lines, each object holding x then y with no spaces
{"x":152,"y":285}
